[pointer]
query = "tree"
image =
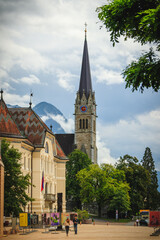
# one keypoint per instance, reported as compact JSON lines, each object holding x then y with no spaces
{"x":138,"y":20}
{"x":77,"y":161}
{"x":152,"y":196}
{"x":99,"y":185}
{"x":15,"y":184}
{"x":138,"y":179}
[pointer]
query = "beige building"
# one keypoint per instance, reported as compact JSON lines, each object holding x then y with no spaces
{"x":41,"y":156}
{"x":1,"y":193}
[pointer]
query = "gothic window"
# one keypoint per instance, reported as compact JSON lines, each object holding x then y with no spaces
{"x":83,"y":124}
{"x":46,"y":148}
{"x":80,"y":123}
{"x":86,"y":123}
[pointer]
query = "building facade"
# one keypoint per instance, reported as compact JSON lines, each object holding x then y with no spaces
{"x":42,"y":156}
{"x":1,"y":193}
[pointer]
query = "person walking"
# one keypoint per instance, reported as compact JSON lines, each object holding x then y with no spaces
{"x":137,"y":221}
{"x":67,"y":224}
{"x":75,"y":222}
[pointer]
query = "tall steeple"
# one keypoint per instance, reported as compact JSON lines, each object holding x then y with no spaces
{"x":85,"y":79}
{"x":85,"y":110}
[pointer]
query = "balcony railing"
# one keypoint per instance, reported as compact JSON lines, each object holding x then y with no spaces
{"x":50,"y":197}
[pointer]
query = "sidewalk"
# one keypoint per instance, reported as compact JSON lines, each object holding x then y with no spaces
{"x":92,"y":232}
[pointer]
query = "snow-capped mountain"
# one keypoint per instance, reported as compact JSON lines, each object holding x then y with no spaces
{"x":51,"y":116}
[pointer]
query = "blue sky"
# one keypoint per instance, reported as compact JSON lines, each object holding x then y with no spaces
{"x":41,"y":51}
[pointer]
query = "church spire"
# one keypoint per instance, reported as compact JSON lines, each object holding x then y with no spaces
{"x":85,"y":79}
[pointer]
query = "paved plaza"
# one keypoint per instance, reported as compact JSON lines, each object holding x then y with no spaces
{"x":100,"y":231}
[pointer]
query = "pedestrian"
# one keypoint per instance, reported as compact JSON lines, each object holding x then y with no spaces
{"x":137,"y":221}
{"x":67,"y":224}
{"x":75,"y":222}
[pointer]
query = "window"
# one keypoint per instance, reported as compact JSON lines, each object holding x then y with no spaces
{"x":86,"y":123}
{"x":83,"y":124}
{"x":46,"y":188}
{"x":80,"y":123}
{"x":46,"y":148}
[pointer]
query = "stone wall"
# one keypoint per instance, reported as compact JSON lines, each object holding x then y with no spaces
{"x":1,"y":196}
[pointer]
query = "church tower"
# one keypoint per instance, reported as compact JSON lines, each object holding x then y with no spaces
{"x":85,"y":110}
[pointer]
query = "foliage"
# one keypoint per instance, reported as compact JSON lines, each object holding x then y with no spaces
{"x":138,"y":20}
{"x":138,"y":179}
{"x":82,"y":214}
{"x":152,"y":196}
{"x":15,"y":184}
{"x":77,"y":161}
{"x":100,"y":184}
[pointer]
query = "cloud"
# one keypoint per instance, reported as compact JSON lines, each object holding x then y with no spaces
{"x":67,"y":125}
{"x":65,"y":80}
{"x":32,"y":79}
{"x":132,"y":136}
{"x":104,"y":154}
{"x":15,"y":99}
{"x":108,"y":76}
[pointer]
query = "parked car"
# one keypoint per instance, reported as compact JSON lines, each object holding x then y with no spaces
{"x":144,"y":222}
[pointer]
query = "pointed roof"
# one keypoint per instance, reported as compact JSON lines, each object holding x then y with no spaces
{"x":7,"y":125}
{"x":85,"y":80}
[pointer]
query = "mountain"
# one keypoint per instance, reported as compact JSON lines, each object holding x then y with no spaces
{"x":51,"y":116}
{"x":12,"y":106}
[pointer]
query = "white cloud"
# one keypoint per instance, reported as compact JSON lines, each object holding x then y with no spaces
{"x":132,"y":136}
{"x":32,"y":79}
{"x":15,"y":99}
{"x":108,"y":76}
{"x":65,"y":80}
{"x":104,"y":155}
{"x":44,"y":118}
{"x":68,"y":125}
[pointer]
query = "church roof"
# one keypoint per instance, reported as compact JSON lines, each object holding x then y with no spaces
{"x":85,"y":79}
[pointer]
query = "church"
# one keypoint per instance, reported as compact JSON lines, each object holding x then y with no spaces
{"x":84,"y":137}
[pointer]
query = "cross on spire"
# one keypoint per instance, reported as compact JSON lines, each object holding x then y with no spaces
{"x":1,"y":94}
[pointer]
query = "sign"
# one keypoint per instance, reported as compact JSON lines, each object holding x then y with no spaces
{"x":23,"y":219}
{"x":154,"y":218}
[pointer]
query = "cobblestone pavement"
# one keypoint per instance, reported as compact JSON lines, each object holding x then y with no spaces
{"x":99,"y":231}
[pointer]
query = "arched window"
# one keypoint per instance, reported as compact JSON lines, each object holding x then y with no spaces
{"x":86,"y":123}
{"x":80,"y":123}
{"x":46,"y":148}
{"x":83,"y":124}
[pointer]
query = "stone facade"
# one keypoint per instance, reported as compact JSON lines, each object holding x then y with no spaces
{"x":1,"y":195}
{"x":85,"y":125}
